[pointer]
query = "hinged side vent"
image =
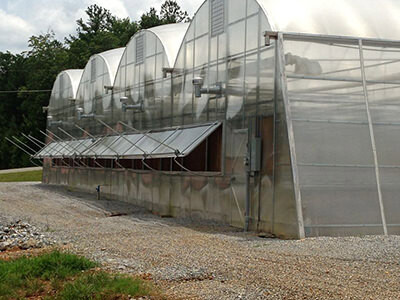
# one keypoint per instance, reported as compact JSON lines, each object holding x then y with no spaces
{"x":217,"y":17}
{"x":139,"y":49}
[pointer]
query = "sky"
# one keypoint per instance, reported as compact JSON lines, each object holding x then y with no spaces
{"x":20,"y":19}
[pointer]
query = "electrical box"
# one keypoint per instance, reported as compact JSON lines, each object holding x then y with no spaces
{"x":255,"y":154}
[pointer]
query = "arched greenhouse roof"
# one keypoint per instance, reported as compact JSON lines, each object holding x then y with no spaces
{"x":148,"y":52}
{"x":171,"y":37}
{"x":65,"y":88}
{"x":167,"y":39}
{"x":358,"y":18}
{"x":112,"y":59}
{"x":100,"y":71}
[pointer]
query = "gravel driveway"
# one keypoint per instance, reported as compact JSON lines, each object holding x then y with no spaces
{"x":202,"y":260}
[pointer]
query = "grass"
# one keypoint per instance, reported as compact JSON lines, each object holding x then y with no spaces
{"x":103,"y":286}
{"x":21,"y":176}
{"x":64,"y":276}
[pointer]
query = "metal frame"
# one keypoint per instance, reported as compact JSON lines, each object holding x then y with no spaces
{"x":359,"y":44}
{"x":289,"y":122}
{"x":373,"y":142}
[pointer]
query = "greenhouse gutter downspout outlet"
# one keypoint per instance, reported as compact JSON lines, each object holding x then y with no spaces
{"x":98,"y":189}
{"x":247,"y":208}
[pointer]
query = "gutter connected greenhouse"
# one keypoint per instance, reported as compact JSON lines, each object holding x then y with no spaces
{"x":279,"y":116}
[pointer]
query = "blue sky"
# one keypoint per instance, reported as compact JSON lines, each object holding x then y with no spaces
{"x":20,"y":19}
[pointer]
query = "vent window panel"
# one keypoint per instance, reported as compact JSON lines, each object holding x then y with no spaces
{"x":139,"y":49}
{"x":93,"y":70}
{"x":217,"y":17}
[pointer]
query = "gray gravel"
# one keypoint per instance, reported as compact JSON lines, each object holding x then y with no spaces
{"x":21,"y":235}
{"x":202,"y":260}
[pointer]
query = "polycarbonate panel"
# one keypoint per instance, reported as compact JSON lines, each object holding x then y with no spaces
{"x":232,"y":58}
{"x":382,"y":65}
{"x":330,"y":143}
{"x":325,"y":82}
{"x":387,"y":144}
{"x":142,"y":81}
{"x":66,"y":148}
{"x":98,"y":73}
{"x":237,"y":10}
{"x":103,"y":147}
{"x":332,"y":138}
{"x":171,"y":143}
{"x":359,"y":18}
{"x":339,"y":196}
{"x":390,"y":192}
{"x":64,"y":90}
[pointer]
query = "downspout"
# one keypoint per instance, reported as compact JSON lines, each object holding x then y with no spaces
{"x":247,"y":213}
{"x":248,"y":174}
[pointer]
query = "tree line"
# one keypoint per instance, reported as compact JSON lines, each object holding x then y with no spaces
{"x":24,"y":76}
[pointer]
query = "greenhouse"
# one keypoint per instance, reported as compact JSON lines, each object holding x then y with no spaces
{"x":64,"y":91}
{"x":94,"y":95}
{"x":274,"y":116}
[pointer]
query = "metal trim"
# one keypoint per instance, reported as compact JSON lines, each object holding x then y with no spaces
{"x":299,"y":208}
{"x":373,"y":142}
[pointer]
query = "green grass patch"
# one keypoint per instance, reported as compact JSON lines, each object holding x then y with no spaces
{"x":21,"y":176}
{"x":103,"y":286}
{"x":64,"y":276}
{"x":26,"y":274}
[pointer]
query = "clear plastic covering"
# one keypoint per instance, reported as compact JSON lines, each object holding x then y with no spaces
{"x":94,"y":92}
{"x":140,"y":76}
{"x":232,"y":57}
{"x":169,"y":143}
{"x":343,"y":100}
{"x":62,"y":95}
{"x":358,"y":18}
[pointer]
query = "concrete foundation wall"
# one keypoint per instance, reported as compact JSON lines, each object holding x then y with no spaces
{"x":216,"y":198}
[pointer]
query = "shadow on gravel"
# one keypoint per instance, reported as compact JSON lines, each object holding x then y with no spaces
{"x":116,"y":208}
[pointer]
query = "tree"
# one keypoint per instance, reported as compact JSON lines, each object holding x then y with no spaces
{"x":101,"y":32}
{"x":171,"y":12}
{"x":12,"y":77}
{"x":150,"y":19}
{"x":46,"y":58}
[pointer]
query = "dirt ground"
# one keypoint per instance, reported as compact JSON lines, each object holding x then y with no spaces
{"x":191,"y":259}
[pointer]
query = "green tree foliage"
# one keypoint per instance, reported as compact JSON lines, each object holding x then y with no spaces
{"x":37,"y":69}
{"x":101,"y":32}
{"x":170,"y":12}
{"x":150,"y":19}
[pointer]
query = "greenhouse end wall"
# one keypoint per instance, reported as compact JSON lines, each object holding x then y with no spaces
{"x":343,"y":98}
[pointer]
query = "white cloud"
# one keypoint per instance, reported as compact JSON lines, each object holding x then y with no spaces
{"x":117,"y":7}
{"x":20,"y":19}
{"x":14,"y":32}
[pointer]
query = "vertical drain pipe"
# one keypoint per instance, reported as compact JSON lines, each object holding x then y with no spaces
{"x":247,"y":213}
{"x":247,"y":166}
